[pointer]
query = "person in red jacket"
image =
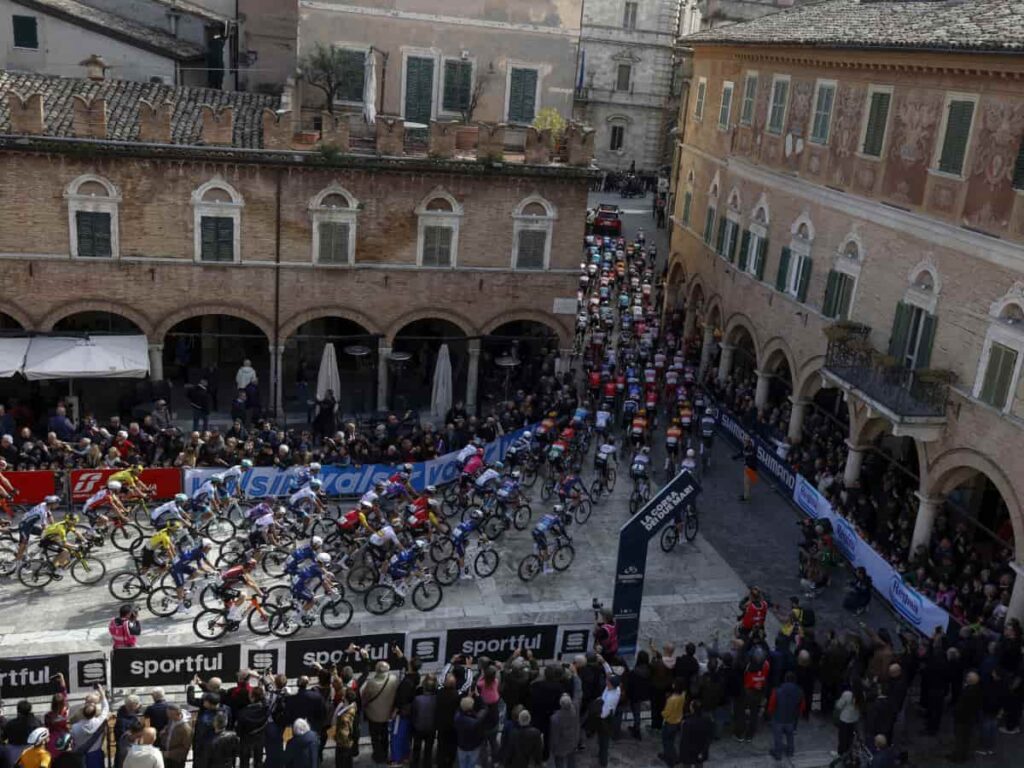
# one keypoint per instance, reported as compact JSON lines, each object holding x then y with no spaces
{"x":748,"y":706}
{"x":125,"y":627}
{"x":755,"y":611}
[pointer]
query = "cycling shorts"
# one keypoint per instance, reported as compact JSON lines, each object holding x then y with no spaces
{"x":181,"y":573}
{"x":28,"y":530}
{"x":300,"y":510}
{"x":148,"y":557}
{"x":540,"y":539}
{"x":257,"y":537}
{"x":302,"y":592}
{"x":51,"y":545}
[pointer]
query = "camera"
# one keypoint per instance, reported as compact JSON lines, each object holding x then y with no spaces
{"x":596,"y":604}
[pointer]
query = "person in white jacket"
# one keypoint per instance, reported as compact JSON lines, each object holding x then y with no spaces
{"x":145,"y":754}
{"x":88,"y":732}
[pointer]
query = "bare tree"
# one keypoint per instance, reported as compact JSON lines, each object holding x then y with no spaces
{"x":328,"y":68}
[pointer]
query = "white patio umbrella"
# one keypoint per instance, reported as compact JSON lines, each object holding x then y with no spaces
{"x":328,"y":378}
{"x":441,"y":397}
{"x":370,"y":88}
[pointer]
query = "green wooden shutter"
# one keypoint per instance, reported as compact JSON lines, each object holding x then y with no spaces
{"x":101,"y":233}
{"x":687,"y":201}
{"x":333,"y":242}
{"x":762,"y":257}
{"x":998,"y":375}
{"x":780,"y":277}
{"x":522,"y":97}
{"x":225,"y":239}
{"x":1018,"y":168}
{"x":709,"y":225}
{"x":419,"y":89}
{"x":208,"y":237}
{"x":828,"y":306}
{"x":900,"y":329}
{"x":958,"y":129}
{"x":878,"y":116}
{"x":720,"y":242}
{"x":735,"y":229}
{"x":457,"y":85}
{"x":805,"y":278}
{"x":353,"y":75}
{"x":744,"y":245}
{"x":924,"y":345}
{"x":86,"y":239}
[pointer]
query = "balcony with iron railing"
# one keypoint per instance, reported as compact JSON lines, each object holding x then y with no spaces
{"x":914,"y":401}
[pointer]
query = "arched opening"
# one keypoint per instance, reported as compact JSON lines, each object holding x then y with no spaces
{"x":96,"y":322}
{"x":213,"y":348}
{"x":355,"y":349}
{"x":413,"y":360}
{"x":744,"y":356}
{"x":776,"y":408}
{"x":8,"y":323}
{"x":514,"y":356}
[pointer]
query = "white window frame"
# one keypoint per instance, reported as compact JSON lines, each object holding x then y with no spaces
{"x":440,"y":110}
{"x":850,"y":266}
{"x":699,"y":97}
{"x":524,"y":221}
{"x":799,"y":249}
{"x":90,"y":203}
{"x":785,"y":104}
{"x":814,"y":111}
{"x":611,"y":132}
{"x":758,"y":232}
{"x":873,"y":89}
{"x":421,"y":53}
{"x":537,"y":106}
{"x":940,"y":137}
{"x":751,"y":77}
{"x":728,"y":86}
{"x":1000,"y":332}
{"x":363,"y":49}
{"x":426,"y":218}
{"x":918,"y":297}
{"x":232,"y":210}
{"x":618,"y":68}
{"x":320,"y":214}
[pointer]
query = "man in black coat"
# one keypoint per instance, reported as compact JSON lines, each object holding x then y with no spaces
{"x":251,"y":724}
{"x":308,"y":705}
{"x":446,"y":709}
{"x":695,"y":736}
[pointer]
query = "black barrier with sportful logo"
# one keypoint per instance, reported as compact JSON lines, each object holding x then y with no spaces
{"x":142,"y":667}
{"x":301,"y":655}
{"x":634,"y":537}
{"x":31,"y":675}
{"x":499,"y":643}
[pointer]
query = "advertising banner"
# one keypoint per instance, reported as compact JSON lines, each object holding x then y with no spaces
{"x":301,"y":655}
{"x":87,"y":671}
{"x":354,"y":480}
{"x":499,"y":643}
{"x":26,"y":676}
{"x":146,"y":667}
{"x":85,"y":482}
{"x":634,"y":537}
{"x":573,"y":640}
{"x":32,"y":487}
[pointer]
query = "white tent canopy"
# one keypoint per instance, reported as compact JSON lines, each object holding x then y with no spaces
{"x":328,"y":377}
{"x":441,"y":396}
{"x":60,"y":357}
{"x":12,"y":355}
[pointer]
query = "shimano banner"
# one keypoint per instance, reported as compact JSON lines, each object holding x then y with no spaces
{"x":634,"y":537}
{"x":353,"y":480}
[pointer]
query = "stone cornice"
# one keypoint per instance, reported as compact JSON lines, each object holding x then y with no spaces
{"x":903,"y":64}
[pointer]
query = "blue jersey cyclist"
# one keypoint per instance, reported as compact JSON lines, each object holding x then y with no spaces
{"x":189,"y":564}
{"x":570,"y":485}
{"x":402,"y":564}
{"x":461,"y":536}
{"x":302,"y":476}
{"x":308,"y":579}
{"x":299,"y":557}
{"x":210,"y":494}
{"x":554,"y":522}
{"x":640,"y":467}
{"x":305,"y":500}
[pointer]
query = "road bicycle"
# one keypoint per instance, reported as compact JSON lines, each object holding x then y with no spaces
{"x":561,"y":558}
{"x":163,"y":600}
{"x":604,"y":483}
{"x":9,"y":508}
{"x":640,"y":494}
{"x":124,"y":534}
{"x":39,"y":571}
{"x":481,"y":553}
{"x":213,"y":623}
{"x":129,"y":584}
{"x":689,"y":527}
{"x":331,"y":609}
{"x":425,"y":590}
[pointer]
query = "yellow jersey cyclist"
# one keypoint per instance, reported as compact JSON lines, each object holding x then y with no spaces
{"x":54,"y":541}
{"x":160,"y":543}
{"x":131,"y":480}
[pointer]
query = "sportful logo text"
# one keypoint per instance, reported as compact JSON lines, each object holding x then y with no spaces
{"x":191,"y":664}
{"x":25,"y":676}
{"x":502,"y":644}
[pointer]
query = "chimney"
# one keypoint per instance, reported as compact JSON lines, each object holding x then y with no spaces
{"x":89,"y":117}
{"x":491,"y":142}
{"x":334,"y":132}
{"x":218,"y":127}
{"x":26,"y":113}
{"x":538,"y":146}
{"x":277,"y":129}
{"x":95,"y":68}
{"x":155,"y":122}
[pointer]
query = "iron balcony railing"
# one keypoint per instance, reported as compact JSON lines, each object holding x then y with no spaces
{"x":904,"y":392}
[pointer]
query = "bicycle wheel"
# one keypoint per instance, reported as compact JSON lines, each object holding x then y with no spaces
{"x":284,"y":624}
{"x":361,"y":578}
{"x":8,"y":560}
{"x":336,"y":614}
{"x":691,"y":525}
{"x":273,"y":563}
{"x":563,"y":557}
{"x":220,"y":530}
{"x":210,"y":599}
{"x":126,"y":586}
{"x":596,"y":489}
{"x":323,"y":528}
{"x":88,"y":570}
{"x":529,"y":567}
{"x":582,"y":510}
{"x":125,"y":536}
{"x":669,"y":538}
{"x":547,"y":490}
{"x":36,"y":573}
{"x":276,"y":597}
{"x":609,"y":478}
{"x":494,"y":526}
{"x":140,"y":514}
{"x":521,"y":518}
{"x":634,"y":501}
{"x":259,"y":622}
{"x":163,"y":602}
{"x":441,"y":549}
{"x":380,"y":599}
{"x":486,"y":563}
{"x":210,"y":625}
{"x":447,"y":571}
{"x":427,"y":595}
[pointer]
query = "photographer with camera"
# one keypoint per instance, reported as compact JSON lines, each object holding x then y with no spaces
{"x":606,"y":634}
{"x":125,"y":628}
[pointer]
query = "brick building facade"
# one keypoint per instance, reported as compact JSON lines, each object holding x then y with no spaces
{"x":852,"y":218}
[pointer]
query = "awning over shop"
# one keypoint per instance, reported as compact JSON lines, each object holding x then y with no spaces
{"x":60,"y":357}
{"x":12,"y":355}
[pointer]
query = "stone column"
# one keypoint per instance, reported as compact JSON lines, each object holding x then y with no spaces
{"x":796,"y":418}
{"x":156,"y":362}
{"x":927,"y":509}
{"x":472,"y":375}
{"x":705,"y":350}
{"x":761,"y":393}
{"x":854,"y":459}
{"x":689,"y":322}
{"x":276,"y":378}
{"x":1016,"y":608}
{"x":725,"y":362}
{"x":383,"y":354}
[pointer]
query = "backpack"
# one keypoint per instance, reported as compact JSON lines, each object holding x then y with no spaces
{"x":610,"y":643}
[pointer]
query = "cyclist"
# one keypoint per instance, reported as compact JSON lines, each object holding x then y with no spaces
{"x":189,"y":564}
{"x":639,"y":469}
{"x":231,"y":580}
{"x":131,"y":480}
{"x":461,"y":536}
{"x":356,"y":518}
{"x":175,"y":509}
{"x":422,"y":510}
{"x":602,"y":419}
{"x":690,"y":462}
{"x":401,"y":564}
{"x":34,"y":521}
{"x":303,"y":585}
{"x":673,"y":440}
{"x":571,"y":486}
{"x":519,"y":449}
{"x":605,"y":451}
{"x":383,"y":540}
{"x":468,"y":451}
{"x":160,"y":542}
{"x":234,"y":474}
{"x":7,"y":491}
{"x":303,"y":476}
{"x":400,"y":484}
{"x":54,"y":541}
{"x":372,"y":496}
{"x":264,"y":527}
{"x":555,"y":522}
{"x":305,"y":500}
{"x":707,"y":432}
{"x":302,"y":554}
{"x":105,"y":497}
{"x":638,"y":430}
{"x":488,"y":480}
{"x":210,"y":494}
{"x":473,"y":465}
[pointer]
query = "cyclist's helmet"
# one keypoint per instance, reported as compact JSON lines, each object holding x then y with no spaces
{"x":39,"y":736}
{"x":367,"y":505}
{"x":323,"y":558}
{"x":314,"y":467}
{"x":249,"y":564}
{"x":645,"y":450}
{"x":379,"y":485}
{"x":527,"y":434}
{"x":516,"y":474}
{"x":421,"y":544}
{"x":51,"y":500}
{"x":174,"y":526}
{"x":206,"y":544}
{"x":246,"y":463}
{"x":690,"y":453}
{"x":315,"y":484}
{"x":136,"y":469}
{"x":430,"y":490}
{"x":180,"y":498}
{"x":475,"y":514}
{"x":407,"y":469}
{"x":217,"y":480}
{"x":70,"y":518}
{"x":478,"y":442}
{"x":114,"y":485}
{"x":498,"y":466}
{"x":316,"y":542}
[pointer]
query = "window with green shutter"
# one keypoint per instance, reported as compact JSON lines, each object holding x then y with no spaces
{"x":960,"y":113}
{"x":687,"y":202}
{"x":744,"y":247}
{"x":709,"y":225}
{"x":804,"y":278}
{"x":749,"y":98}
{"x":782,"y":276}
{"x":419,"y":89}
{"x":353,"y":75}
{"x":93,"y":231}
{"x":777,"y":111}
{"x":530,"y":254}
{"x":458,"y":85}
{"x":995,"y":387}
{"x":720,"y":242}
{"x":437,"y":246}
{"x":218,"y":238}
{"x":878,"y":118}
{"x":1018,"y":168}
{"x":698,"y":102}
{"x":822,"y":120}
{"x":522,"y":96}
{"x":333,"y":242}
{"x":838,"y":294}
{"x":762,"y":257}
